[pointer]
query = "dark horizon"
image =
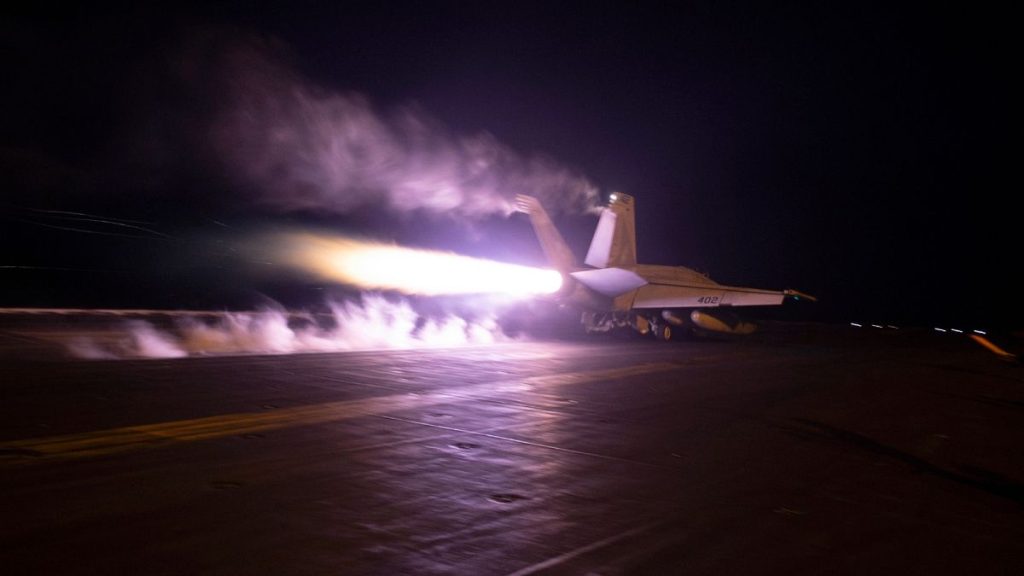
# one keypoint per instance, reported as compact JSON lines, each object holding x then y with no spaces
{"x":859,"y":154}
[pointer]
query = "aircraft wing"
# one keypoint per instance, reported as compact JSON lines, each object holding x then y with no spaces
{"x":654,"y":287}
{"x":701,"y":296}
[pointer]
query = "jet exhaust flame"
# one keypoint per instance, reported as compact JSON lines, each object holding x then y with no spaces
{"x":377,"y":266}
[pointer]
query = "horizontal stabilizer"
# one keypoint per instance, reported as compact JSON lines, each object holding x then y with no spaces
{"x":609,"y":281}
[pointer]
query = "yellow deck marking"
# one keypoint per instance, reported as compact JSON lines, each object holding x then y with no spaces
{"x":993,"y":348}
{"x":137,"y":437}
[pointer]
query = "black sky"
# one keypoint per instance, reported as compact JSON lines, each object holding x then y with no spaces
{"x":862,"y":153}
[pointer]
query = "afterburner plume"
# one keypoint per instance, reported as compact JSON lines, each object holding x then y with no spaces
{"x":377,"y":266}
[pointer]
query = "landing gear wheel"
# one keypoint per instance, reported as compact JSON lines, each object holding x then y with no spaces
{"x":663,"y":332}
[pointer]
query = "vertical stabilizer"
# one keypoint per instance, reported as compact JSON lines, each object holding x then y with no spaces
{"x":555,"y":248}
{"x":614,"y":242}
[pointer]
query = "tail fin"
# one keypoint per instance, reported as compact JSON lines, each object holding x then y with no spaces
{"x":614,"y":242}
{"x":555,"y":248}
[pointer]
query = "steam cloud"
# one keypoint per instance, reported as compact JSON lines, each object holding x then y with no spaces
{"x":298,"y":146}
{"x":372,"y":324}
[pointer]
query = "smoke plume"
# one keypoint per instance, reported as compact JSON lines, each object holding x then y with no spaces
{"x":373,"y":323}
{"x":298,"y":146}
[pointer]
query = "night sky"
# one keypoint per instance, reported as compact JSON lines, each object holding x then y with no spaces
{"x":859,"y":153}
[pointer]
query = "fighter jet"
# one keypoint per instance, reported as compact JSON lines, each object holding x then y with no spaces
{"x":615,"y":292}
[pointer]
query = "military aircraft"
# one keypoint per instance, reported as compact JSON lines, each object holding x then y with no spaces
{"x":616,"y":292}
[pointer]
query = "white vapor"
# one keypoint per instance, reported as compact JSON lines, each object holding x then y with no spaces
{"x":371,"y":324}
{"x":298,"y":146}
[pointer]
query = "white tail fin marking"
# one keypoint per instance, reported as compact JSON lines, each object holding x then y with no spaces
{"x":555,"y":248}
{"x":614,"y":241}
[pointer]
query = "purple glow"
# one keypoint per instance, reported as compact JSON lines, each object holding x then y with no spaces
{"x":298,"y":146}
{"x":373,"y":323}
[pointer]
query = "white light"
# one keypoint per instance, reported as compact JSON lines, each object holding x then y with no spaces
{"x":957,"y":330}
{"x":410,"y":271}
{"x":892,"y":327}
{"x":940,"y":329}
{"x":613,"y":197}
{"x":854,"y":324}
{"x":982,"y":332}
{"x":879,"y":326}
